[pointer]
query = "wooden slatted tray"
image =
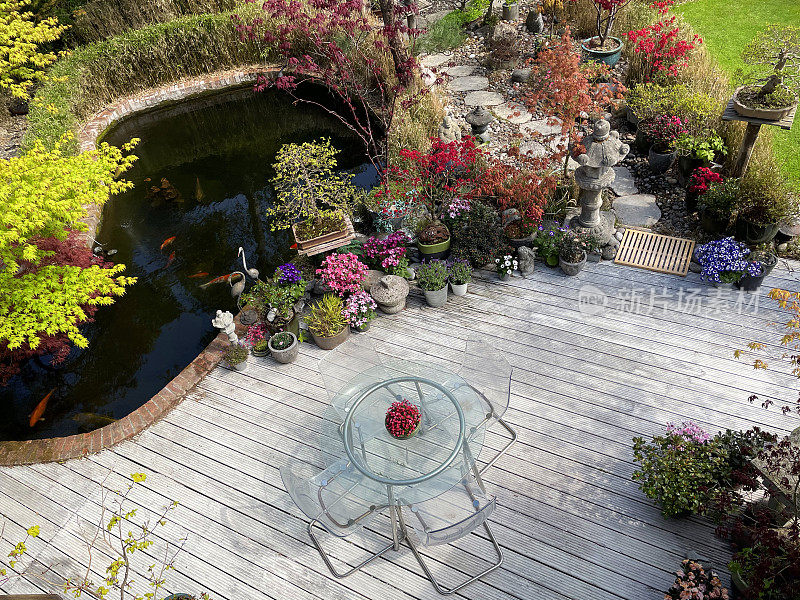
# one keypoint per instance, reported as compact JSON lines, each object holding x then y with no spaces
{"x":655,"y":252}
{"x":333,"y":245}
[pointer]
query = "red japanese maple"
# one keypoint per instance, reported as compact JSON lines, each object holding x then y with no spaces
{"x":607,"y":11}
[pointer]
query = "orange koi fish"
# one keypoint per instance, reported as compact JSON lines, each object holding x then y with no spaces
{"x":293,"y":246}
{"x":219,"y":279}
{"x":170,"y":259}
{"x":39,"y":410}
{"x":167,"y":242}
{"x":196,"y":275}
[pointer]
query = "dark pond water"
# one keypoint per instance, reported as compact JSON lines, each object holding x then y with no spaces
{"x":216,"y":153}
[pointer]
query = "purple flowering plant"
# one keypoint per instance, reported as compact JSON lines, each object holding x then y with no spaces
{"x":359,"y":309}
{"x":287,"y":274}
{"x":725,"y":261}
{"x":689,"y":430}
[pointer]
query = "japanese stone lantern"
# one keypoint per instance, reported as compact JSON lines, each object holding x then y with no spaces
{"x":603,"y":151}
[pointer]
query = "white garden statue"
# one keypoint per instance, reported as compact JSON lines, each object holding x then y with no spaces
{"x":224,"y":321}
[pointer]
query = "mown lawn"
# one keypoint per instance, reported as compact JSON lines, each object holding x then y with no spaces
{"x":726,"y":26}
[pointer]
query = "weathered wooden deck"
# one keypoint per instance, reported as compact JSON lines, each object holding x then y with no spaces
{"x":570,"y":520}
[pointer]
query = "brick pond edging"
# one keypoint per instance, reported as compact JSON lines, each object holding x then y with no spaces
{"x":76,"y":446}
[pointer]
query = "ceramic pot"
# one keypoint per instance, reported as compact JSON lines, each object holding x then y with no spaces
{"x":459,"y":289}
{"x":572,"y":268}
{"x":691,"y":202}
{"x":750,"y":283}
{"x":519,"y":242}
{"x":436,"y":298}
{"x":609,"y":57}
{"x":286,"y":355}
{"x":510,"y":12}
{"x":660,"y":162}
{"x":687,"y":165}
{"x":754,"y":233}
{"x":329,"y":343}
{"x":504,"y":276}
{"x":768,"y":114}
{"x":768,"y":262}
{"x":641,"y":142}
{"x":431,"y":251}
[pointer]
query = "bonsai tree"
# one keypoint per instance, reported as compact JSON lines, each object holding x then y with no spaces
{"x":311,"y":194}
{"x":606,"y":13}
{"x":774,"y":60}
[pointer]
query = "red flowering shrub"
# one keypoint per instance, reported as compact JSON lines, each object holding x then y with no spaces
{"x":701,"y":179}
{"x":512,"y":187}
{"x":402,"y":418}
{"x":662,"y":48}
{"x":662,"y":131}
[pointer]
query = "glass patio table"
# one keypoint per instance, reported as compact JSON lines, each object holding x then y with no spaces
{"x":405,"y":471}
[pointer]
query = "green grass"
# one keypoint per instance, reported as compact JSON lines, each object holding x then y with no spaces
{"x":448,"y":32}
{"x":726,"y":26}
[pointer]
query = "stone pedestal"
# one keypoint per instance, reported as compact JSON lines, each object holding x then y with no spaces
{"x":592,"y":181}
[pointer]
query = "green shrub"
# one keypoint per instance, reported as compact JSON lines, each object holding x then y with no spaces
{"x":446,"y":33}
{"x":721,"y":199}
{"x":764,"y":197}
{"x":476,"y":236}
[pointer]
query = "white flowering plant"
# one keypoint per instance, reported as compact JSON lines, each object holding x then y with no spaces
{"x":506,"y":265}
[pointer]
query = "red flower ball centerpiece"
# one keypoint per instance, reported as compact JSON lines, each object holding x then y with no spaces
{"x":402,"y":419}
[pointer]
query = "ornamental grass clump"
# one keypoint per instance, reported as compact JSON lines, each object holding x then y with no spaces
{"x":680,"y":469}
{"x":343,"y":273}
{"x":326,"y":318}
{"x":402,"y":418}
{"x":725,"y":261}
{"x":432,"y":275}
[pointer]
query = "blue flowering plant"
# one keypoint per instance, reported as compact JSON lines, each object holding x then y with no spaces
{"x":725,"y":261}
{"x":547,"y":241}
{"x":288,"y":274}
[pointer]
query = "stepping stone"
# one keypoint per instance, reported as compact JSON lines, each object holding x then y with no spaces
{"x":637,"y":210}
{"x":460,"y":70}
{"x":541,"y":127}
{"x":514,"y":112}
{"x":468,"y":84}
{"x":534,"y":150}
{"x":624,"y":184}
{"x":483,"y":98}
{"x":520,"y":75}
{"x":434,"y":60}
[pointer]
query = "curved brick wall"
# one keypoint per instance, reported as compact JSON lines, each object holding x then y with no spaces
{"x":74,"y":446}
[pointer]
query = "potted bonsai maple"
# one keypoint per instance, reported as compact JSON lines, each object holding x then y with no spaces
{"x":773,"y":58}
{"x":604,"y":47}
{"x":313,"y":200}
{"x":327,"y":323}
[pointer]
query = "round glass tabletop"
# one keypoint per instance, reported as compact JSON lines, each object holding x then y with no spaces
{"x":434,"y":459}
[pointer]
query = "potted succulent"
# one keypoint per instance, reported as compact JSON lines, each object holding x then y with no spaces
{"x":284,"y":346}
{"x":313,"y":200}
{"x":505,"y":266}
{"x":274,"y":299}
{"x":573,"y":250}
{"x":460,"y":274}
{"x":772,"y":60}
{"x":520,"y":233}
{"x":510,"y":10}
{"x":360,"y":310}
{"x":724,"y":262}
{"x":603,"y":47}
{"x":699,"y":182}
{"x":327,"y":323}
{"x":662,"y":131}
{"x":402,"y":419}
{"x":432,"y":278}
{"x":716,"y":206}
{"x":236,"y":356}
{"x":546,"y":243}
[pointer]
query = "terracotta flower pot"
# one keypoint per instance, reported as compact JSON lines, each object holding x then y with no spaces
{"x":329,"y":343}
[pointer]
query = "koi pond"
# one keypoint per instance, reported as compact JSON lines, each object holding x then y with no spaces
{"x":201,"y":190}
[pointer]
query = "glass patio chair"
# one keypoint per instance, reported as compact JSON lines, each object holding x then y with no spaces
{"x":450,"y":517}
{"x":489,"y":374}
{"x":331,"y":500}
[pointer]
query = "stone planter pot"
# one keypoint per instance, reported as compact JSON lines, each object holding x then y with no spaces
{"x":519,"y":242}
{"x":293,"y":325}
{"x":504,"y":276}
{"x":609,"y":57}
{"x":329,"y":343}
{"x":572,"y":268}
{"x":362,"y":328}
{"x":239,"y":366}
{"x":510,"y":12}
{"x":711,"y":223}
{"x":660,"y":162}
{"x":431,"y":251}
{"x":436,"y":298}
{"x":390,"y":294}
{"x":286,"y":355}
{"x":459,"y":289}
{"x":768,"y":114}
{"x":754,"y":233}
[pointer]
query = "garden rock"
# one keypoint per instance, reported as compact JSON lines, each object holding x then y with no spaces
{"x":513,"y":112}
{"x":541,"y":127}
{"x":320,"y":287}
{"x":534,"y":22}
{"x":508,"y":216}
{"x":609,"y":252}
{"x":594,"y":256}
{"x":624,"y":184}
{"x":373,"y":276}
{"x":503,"y":30}
{"x":520,"y":75}
{"x":390,"y":293}
{"x":435,"y":60}
{"x":695,"y":267}
{"x":483,"y":98}
{"x":460,"y":70}
{"x":639,"y":210}
{"x":468,"y":84}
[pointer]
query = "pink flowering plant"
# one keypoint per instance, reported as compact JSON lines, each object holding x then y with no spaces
{"x":402,"y":418}
{"x":689,"y":430}
{"x":662,"y":131}
{"x":359,"y":309}
{"x":388,"y":254}
{"x":256,"y":333}
{"x":343,"y":273}
{"x":456,"y":208}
